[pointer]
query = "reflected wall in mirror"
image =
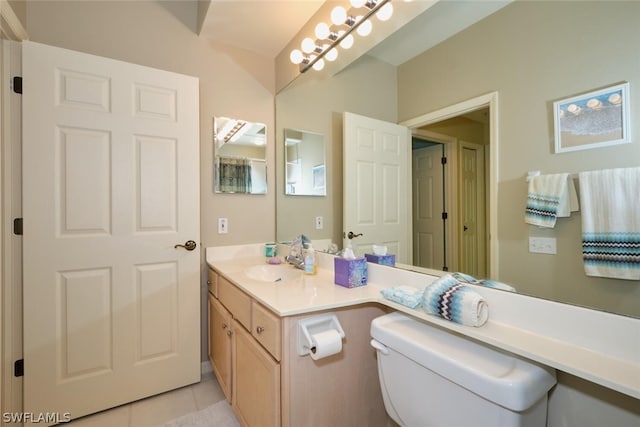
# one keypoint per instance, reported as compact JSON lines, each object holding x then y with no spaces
{"x":531,"y":54}
{"x":305,"y":169}
{"x":240,"y":156}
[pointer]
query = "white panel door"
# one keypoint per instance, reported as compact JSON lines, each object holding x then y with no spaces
{"x":111,"y":185}
{"x":428,"y":206}
{"x":377,"y":185}
{"x":472,"y":242}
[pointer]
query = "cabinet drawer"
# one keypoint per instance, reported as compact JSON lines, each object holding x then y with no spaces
{"x":236,"y":301}
{"x":266,"y":329}
{"x":212,"y":282}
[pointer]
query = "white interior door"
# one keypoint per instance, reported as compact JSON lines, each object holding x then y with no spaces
{"x":110,"y":184}
{"x":377,"y":185}
{"x":428,"y":206}
{"x":472,"y":256}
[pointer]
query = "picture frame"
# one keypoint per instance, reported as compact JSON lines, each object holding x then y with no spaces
{"x":594,"y":119}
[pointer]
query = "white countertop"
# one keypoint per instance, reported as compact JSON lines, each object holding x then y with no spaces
{"x":597,"y":346}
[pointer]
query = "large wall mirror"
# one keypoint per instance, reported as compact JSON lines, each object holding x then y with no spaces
{"x":305,"y":169}
{"x":528,"y":53}
{"x":240,"y":156}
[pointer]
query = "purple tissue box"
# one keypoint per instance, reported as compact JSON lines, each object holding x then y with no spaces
{"x":382,"y":259}
{"x":350,"y":273}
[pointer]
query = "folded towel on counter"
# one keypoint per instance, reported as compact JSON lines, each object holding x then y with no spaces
{"x":611,"y":223}
{"x":550,"y":197}
{"x":452,"y":300}
{"x":483,"y":282}
{"x":405,"y":295}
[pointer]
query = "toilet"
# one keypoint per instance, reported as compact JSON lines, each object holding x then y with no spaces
{"x":437,"y":378}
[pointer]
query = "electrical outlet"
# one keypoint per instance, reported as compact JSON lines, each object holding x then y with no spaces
{"x":223,"y":226}
{"x":542,"y":245}
{"x":319,"y":223}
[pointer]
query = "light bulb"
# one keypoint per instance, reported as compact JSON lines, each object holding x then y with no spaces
{"x":338,"y":15}
{"x":322,"y":31}
{"x":385,"y":12}
{"x":308,"y":45}
{"x":319,"y":65}
{"x":347,"y":42}
{"x":358,"y":3}
{"x":332,"y":55}
{"x":364,"y":29}
{"x":296,"y":56}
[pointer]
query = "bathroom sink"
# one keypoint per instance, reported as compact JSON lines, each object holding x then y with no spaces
{"x":273,"y":273}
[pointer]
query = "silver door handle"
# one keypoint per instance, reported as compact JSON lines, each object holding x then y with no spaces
{"x":188,"y":245}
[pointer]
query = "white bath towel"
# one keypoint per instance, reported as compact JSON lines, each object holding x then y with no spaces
{"x":611,"y":223}
{"x":550,"y":197}
{"x":450,"y":299}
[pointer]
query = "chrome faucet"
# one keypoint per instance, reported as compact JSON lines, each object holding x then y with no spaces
{"x":296,"y":256}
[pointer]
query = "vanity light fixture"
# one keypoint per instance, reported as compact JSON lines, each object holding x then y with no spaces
{"x":328,"y":37}
{"x":231,"y":131}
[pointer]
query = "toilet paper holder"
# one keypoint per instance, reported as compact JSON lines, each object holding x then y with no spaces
{"x":314,"y":325}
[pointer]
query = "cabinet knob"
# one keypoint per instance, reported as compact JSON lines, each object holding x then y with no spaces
{"x":259,"y":329}
{"x":228,"y":333}
{"x":208,"y":282}
{"x":224,"y":326}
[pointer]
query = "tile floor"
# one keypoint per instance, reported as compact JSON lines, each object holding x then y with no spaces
{"x":156,"y":410}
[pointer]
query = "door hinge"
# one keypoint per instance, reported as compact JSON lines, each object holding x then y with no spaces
{"x":443,"y":160}
{"x":17,"y":84}
{"x":17,"y":226}
{"x":444,"y":216}
{"x":18,"y":368}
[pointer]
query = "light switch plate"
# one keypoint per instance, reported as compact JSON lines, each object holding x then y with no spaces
{"x":223,"y":226}
{"x":542,"y":245}
{"x":319,"y":223}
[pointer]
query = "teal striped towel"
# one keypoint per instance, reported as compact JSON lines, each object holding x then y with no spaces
{"x":611,"y":223}
{"x":550,"y":197}
{"x":452,"y":300}
{"x":484,"y":282}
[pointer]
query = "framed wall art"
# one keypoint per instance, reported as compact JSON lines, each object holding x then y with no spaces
{"x":595,"y":119}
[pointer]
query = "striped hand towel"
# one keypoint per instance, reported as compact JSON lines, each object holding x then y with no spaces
{"x":611,"y":223}
{"x":450,"y":299}
{"x":550,"y":197}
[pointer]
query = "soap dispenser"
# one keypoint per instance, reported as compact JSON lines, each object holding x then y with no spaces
{"x":310,"y":260}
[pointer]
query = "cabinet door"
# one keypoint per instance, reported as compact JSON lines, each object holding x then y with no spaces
{"x":256,"y":382}
{"x":220,"y":344}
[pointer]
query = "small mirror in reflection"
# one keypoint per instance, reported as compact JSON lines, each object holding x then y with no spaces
{"x":240,"y":156}
{"x":305,"y":163}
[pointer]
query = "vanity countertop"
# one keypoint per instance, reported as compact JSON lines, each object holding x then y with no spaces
{"x":597,"y":346}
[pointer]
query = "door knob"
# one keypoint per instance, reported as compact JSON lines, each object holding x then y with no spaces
{"x":188,"y":245}
{"x":351,"y":235}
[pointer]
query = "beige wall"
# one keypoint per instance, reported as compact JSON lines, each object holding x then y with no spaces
{"x":534,"y":53}
{"x":315,"y":104}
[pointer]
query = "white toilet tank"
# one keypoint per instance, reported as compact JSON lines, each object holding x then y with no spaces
{"x":432,"y":377}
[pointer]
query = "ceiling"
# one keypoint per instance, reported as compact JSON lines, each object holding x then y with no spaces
{"x":259,"y":26}
{"x":266,"y":26}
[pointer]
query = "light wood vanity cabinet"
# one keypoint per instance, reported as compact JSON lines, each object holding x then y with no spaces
{"x":244,"y":350}
{"x":271,"y":385}
{"x":256,"y":385}
{"x":220,"y":332}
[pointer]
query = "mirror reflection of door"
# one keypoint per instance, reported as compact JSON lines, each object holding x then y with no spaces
{"x":449,"y":196}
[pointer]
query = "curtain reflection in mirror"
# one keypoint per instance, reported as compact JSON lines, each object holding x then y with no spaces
{"x":235,"y":175}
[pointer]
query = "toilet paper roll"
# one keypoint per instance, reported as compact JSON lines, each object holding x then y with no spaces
{"x":324,"y":344}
